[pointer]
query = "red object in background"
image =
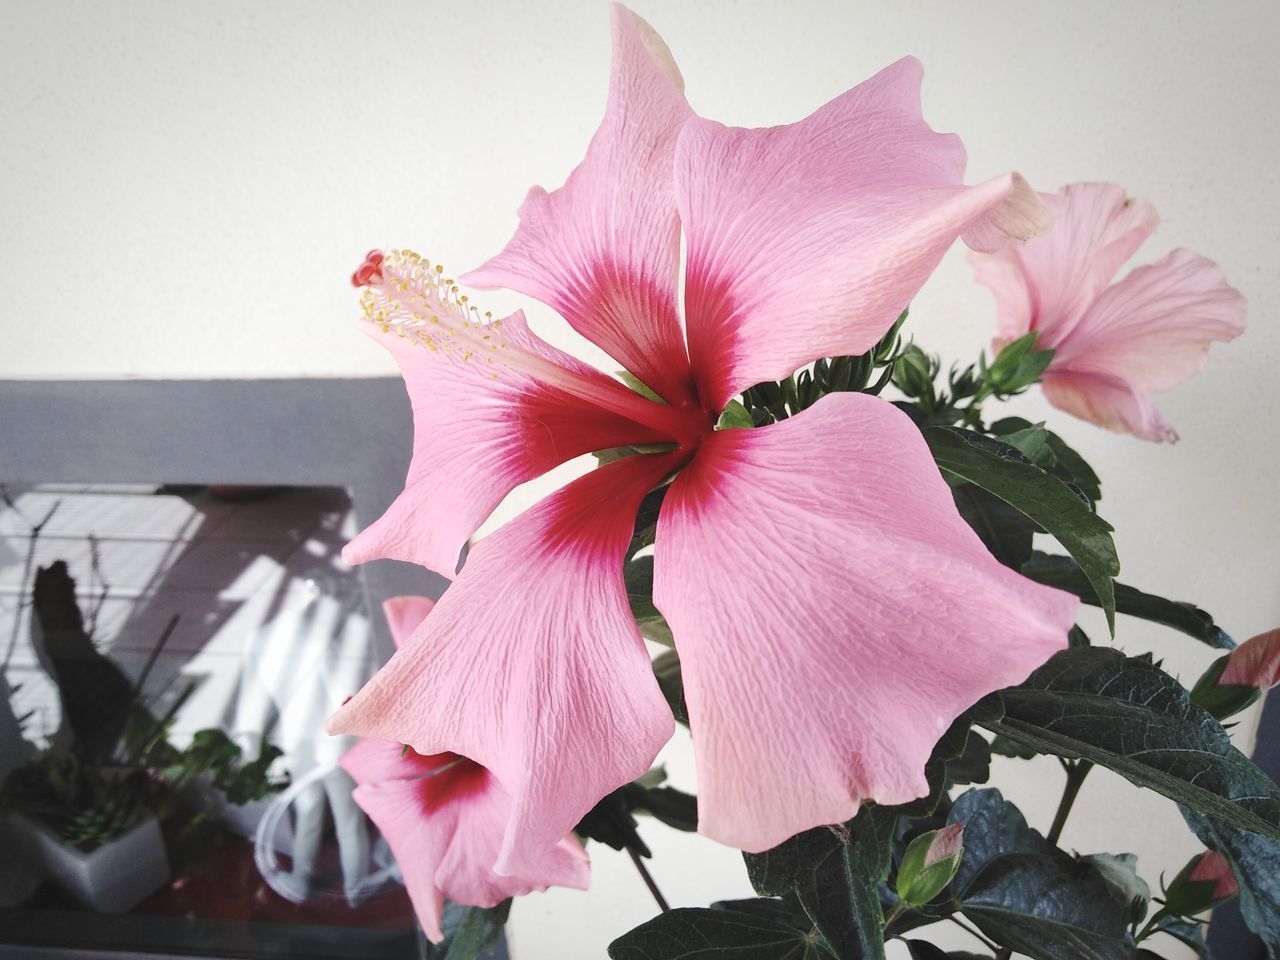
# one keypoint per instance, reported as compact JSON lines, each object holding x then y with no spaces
{"x":226,"y":885}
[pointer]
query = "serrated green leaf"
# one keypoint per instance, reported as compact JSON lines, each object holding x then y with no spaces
{"x":1048,"y":907}
{"x":778,"y":870}
{"x":1129,"y":716}
{"x":1069,"y":464}
{"x":1050,"y":502}
{"x":1033,"y":443}
{"x":841,"y":895}
{"x":1065,"y":574}
{"x":694,"y":933}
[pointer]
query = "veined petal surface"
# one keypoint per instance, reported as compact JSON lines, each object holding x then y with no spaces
{"x":1047,"y":283}
{"x":531,"y":663}
{"x":446,"y":829}
{"x":1154,"y":328}
{"x":481,"y":427}
{"x":808,"y":240}
{"x":833,"y":616}
{"x":1114,"y":343}
{"x":603,"y":250}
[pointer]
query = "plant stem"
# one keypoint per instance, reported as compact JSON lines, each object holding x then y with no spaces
{"x":898,"y":910}
{"x":648,"y":881}
{"x":975,"y":933}
{"x":1075,"y":780}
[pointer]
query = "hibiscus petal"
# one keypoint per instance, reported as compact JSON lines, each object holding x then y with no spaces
{"x":445,"y":832}
{"x":833,"y":616}
{"x":603,"y":250}
{"x":1047,"y":283}
{"x":372,"y":761}
{"x":808,"y":240}
{"x":531,"y":663}
{"x":1255,"y":663}
{"x":1153,"y":328}
{"x":405,"y":614}
{"x":1107,"y":401}
{"x":481,"y":429}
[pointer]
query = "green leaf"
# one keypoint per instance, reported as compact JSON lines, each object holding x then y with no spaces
{"x":1190,"y":933}
{"x":1049,"y":907}
{"x":666,"y":668}
{"x":1003,"y":530}
{"x":704,"y":934}
{"x":1255,"y":861}
{"x":735,"y":415}
{"x":1128,"y":715}
{"x":841,"y":896}
{"x":636,"y":384}
{"x":1076,"y":467}
{"x":1065,"y":574}
{"x":638,"y":576}
{"x":470,"y":932}
{"x":1033,"y":443}
{"x":778,"y":870}
{"x":1063,"y":460}
{"x":1001,"y":470}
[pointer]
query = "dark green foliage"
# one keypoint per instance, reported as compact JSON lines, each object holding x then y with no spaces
{"x":1049,"y":907}
{"x":666,"y":668}
{"x":212,"y":751}
{"x":1053,"y":453}
{"x":770,"y":402}
{"x":612,"y":821}
{"x":1133,"y":718}
{"x":1045,"y":499}
{"x":729,"y":934}
{"x":1003,"y":529}
{"x":471,"y":933}
{"x":1255,"y":861}
{"x":1065,"y":574}
{"x":80,"y":803}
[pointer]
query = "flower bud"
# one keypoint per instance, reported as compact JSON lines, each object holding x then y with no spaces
{"x":1235,"y":681}
{"x":1202,"y":884}
{"x":1018,"y":365}
{"x":929,"y":864}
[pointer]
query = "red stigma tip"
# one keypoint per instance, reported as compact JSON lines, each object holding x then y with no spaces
{"x":369,"y":271}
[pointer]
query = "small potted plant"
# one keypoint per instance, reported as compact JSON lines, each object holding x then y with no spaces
{"x":88,"y":829}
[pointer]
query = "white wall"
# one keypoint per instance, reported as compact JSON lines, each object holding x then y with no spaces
{"x":186,"y":189}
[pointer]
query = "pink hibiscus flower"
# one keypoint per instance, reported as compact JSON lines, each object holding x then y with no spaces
{"x":1114,"y":343}
{"x":832,"y":611}
{"x":444,"y":817}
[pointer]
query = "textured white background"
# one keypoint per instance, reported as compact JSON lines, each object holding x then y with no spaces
{"x":186,"y":188}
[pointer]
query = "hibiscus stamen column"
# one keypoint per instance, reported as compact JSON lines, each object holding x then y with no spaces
{"x":404,"y":294}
